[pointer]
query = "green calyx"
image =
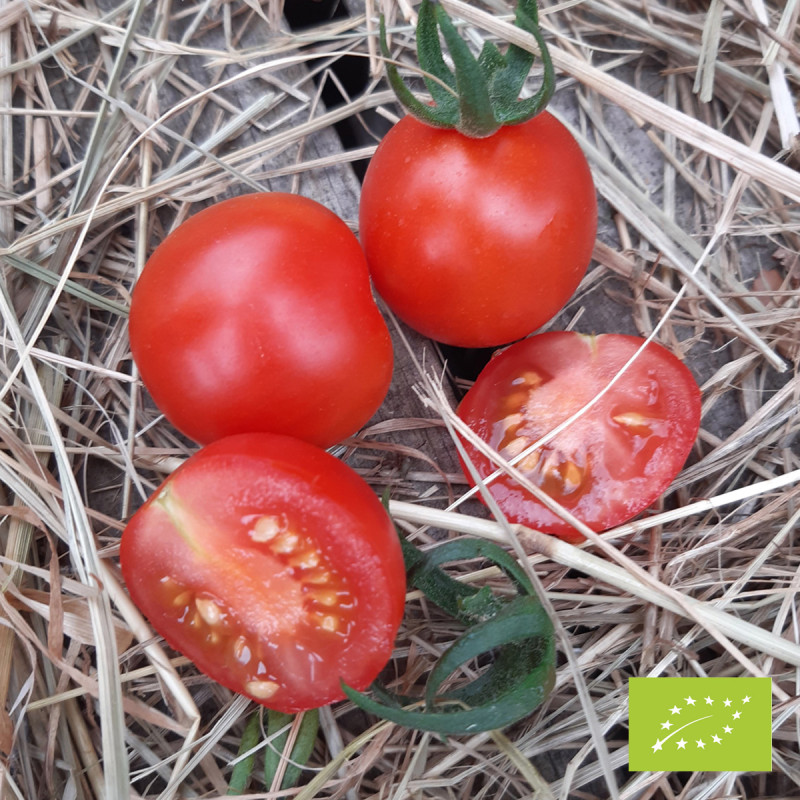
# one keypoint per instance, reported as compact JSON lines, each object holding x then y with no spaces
{"x":479,"y":95}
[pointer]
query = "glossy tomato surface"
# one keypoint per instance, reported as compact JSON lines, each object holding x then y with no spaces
{"x":272,"y":566}
{"x":256,"y":314}
{"x":610,"y":463}
{"x":478,"y":242}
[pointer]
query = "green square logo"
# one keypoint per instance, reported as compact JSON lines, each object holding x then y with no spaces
{"x":700,"y":724}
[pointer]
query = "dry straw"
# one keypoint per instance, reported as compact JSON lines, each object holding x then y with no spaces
{"x":118,"y":121}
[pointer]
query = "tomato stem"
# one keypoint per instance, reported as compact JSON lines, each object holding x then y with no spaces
{"x":479,"y":95}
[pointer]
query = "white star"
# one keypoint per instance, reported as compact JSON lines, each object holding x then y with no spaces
{"x":666,"y":725}
{"x":681,"y":744}
{"x":689,"y":701}
{"x":701,"y":744}
{"x":736,"y":715}
{"x":746,"y":699}
{"x":727,"y":701}
{"x":716,"y":739}
{"x":675,"y":710}
{"x":657,"y":745}
{"x":728,"y":729}
{"x":709,"y":701}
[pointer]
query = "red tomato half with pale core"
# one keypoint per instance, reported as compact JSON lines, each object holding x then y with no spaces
{"x":611,"y":462}
{"x":256,"y":314}
{"x":478,"y":242}
{"x":273,"y":567}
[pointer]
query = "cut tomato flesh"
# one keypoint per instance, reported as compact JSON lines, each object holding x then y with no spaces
{"x":273,"y":567}
{"x":624,"y":437}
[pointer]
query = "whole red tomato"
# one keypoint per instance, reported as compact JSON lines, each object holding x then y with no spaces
{"x":611,"y":462}
{"x":256,"y":314}
{"x":272,"y":566}
{"x":477,"y":242}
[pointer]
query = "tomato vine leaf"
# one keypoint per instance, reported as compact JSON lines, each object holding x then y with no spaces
{"x":514,"y":632}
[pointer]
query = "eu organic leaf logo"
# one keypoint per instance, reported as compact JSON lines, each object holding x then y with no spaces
{"x":700,"y":724}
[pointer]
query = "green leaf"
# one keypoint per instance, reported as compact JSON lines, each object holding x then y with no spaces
{"x":455,"y":720}
{"x":516,"y":634}
{"x":243,"y":769}
{"x":278,"y":725}
{"x":523,"y":618}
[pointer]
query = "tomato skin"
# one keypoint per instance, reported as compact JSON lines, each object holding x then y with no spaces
{"x":610,"y":464}
{"x":271,"y":565}
{"x":478,"y":242}
{"x":256,"y":314}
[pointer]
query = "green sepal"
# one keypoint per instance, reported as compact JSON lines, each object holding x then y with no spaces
{"x":479,"y":95}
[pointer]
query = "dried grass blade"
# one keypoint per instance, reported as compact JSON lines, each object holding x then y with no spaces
{"x":619,"y":577}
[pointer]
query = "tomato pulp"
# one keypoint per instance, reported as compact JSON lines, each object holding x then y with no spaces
{"x":478,"y":242}
{"x":612,"y":461}
{"x":273,"y":567}
{"x":256,"y":314}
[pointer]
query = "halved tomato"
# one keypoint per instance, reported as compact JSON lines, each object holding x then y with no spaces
{"x":612,"y":461}
{"x":273,"y":566}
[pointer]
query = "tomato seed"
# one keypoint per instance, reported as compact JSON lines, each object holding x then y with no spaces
{"x":261,"y":690}
{"x":182,"y":600}
{"x":514,"y":402}
{"x":305,"y":560}
{"x":529,"y":463}
{"x":241,"y":650}
{"x":266,"y":529}
{"x":326,"y":598}
{"x":318,"y":577}
{"x":329,"y":623}
{"x":630,"y":419}
{"x":286,"y":543}
{"x":208,"y":610}
{"x":573,"y":476}
{"x":515,"y":446}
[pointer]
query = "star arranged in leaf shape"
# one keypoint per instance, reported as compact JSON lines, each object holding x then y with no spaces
{"x":709,"y":701}
{"x":728,"y":729}
{"x":681,"y":744}
{"x":746,"y":699}
{"x":690,"y":701}
{"x":716,"y":739}
{"x":675,"y":710}
{"x":666,"y":725}
{"x":737,"y":714}
{"x":657,"y":746}
{"x":701,"y":744}
{"x":727,"y":701}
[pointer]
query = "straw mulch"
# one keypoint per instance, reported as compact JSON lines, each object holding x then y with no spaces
{"x":117,"y":120}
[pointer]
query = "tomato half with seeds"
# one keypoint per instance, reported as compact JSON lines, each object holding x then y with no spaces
{"x":256,"y":314}
{"x":611,"y":462}
{"x":272,"y":566}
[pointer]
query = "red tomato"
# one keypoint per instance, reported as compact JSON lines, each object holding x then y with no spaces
{"x":611,"y":462}
{"x":478,"y":242}
{"x":273,"y":567}
{"x":256,"y":314}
